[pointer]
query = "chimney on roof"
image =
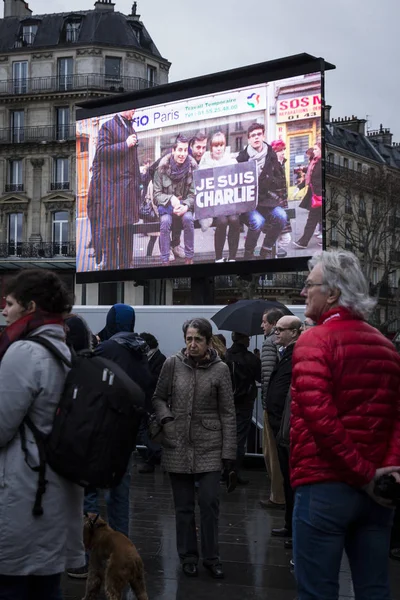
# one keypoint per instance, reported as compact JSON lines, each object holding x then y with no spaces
{"x":382,"y":135}
{"x":354,"y":124}
{"x":327,"y":113}
{"x":16,"y":8}
{"x":104,"y":5}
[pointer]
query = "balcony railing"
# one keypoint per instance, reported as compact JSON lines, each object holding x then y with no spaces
{"x":14,"y":187}
{"x":37,"y":250}
{"x":57,"y":185}
{"x":41,"y":133}
{"x":227,"y":281}
{"x":70,"y":83}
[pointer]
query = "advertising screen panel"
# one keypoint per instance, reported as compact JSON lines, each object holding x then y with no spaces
{"x":227,"y":177}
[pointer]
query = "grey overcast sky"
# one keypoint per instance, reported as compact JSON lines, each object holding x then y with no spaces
{"x":361,"y":37}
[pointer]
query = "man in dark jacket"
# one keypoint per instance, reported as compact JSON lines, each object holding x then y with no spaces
{"x":245,"y":370}
{"x":115,"y":191}
{"x":129,"y":351}
{"x":287,"y":332}
{"x":156,"y":360}
{"x":269,"y":216}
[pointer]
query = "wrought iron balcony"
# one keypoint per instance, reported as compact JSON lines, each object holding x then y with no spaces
{"x":14,"y":187}
{"x":71,"y":83}
{"x":37,"y":134}
{"x":13,"y":250}
{"x":57,"y":185}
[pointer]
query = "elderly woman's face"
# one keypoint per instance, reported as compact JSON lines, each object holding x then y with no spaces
{"x":196,"y":344}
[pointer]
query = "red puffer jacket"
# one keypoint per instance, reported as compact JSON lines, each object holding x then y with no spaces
{"x":345,"y":419}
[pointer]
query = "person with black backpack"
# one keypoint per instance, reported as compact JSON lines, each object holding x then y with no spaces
{"x":245,"y":370}
{"x":121,"y":345}
{"x":40,"y":533}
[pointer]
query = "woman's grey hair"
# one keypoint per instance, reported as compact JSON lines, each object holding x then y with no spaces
{"x":203,"y":326}
{"x":341,"y":271}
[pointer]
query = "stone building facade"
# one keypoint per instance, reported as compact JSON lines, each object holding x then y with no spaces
{"x":48,"y":65}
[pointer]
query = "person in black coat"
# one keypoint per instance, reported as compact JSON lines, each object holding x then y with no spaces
{"x":120,"y":344}
{"x":245,"y":370}
{"x":269,"y":216}
{"x":156,"y":360}
{"x":287,"y":331}
{"x":312,"y":200}
{"x":114,"y":198}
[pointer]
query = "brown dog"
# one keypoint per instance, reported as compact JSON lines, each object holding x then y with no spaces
{"x":113,"y":559}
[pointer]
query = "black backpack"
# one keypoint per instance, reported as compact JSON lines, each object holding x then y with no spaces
{"x":95,"y":424}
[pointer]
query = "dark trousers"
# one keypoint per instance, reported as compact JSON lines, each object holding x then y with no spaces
{"x":283,"y":457}
{"x":243,"y":424}
{"x":30,"y":587}
{"x":222,"y":224}
{"x":395,"y":536}
{"x":183,"y":489}
{"x":117,"y":244}
{"x":314,"y":217}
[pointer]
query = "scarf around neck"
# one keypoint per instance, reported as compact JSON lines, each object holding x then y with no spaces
{"x":310,"y":170}
{"x":21,"y":328}
{"x":259,"y":157}
{"x":179,"y":172}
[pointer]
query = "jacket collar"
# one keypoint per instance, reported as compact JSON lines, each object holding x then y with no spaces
{"x":338,"y":313}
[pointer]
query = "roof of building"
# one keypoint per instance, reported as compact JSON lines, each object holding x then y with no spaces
{"x":98,"y":27}
{"x":390,"y":154}
{"x":352,"y":141}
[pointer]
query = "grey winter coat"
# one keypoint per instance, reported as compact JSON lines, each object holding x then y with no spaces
{"x":204,"y":412}
{"x":31,"y":380}
{"x":269,"y":358}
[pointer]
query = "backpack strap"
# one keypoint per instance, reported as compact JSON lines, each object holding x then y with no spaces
{"x":37,"y":510}
{"x":52,"y":348}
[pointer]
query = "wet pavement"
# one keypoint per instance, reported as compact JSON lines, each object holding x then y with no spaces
{"x":256,"y":565}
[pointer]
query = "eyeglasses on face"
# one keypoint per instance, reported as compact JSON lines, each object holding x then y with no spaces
{"x":309,"y":284}
{"x":280,"y":329}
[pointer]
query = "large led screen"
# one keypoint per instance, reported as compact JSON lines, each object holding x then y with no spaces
{"x":223,"y":177}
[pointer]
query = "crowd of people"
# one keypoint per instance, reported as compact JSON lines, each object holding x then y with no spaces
{"x":330,"y":394}
{"x":164,"y":193}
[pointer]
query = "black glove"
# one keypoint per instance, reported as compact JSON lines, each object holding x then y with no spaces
{"x":230,"y":475}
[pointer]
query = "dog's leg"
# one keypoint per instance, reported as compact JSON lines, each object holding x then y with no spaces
{"x":114,"y":589}
{"x":93,"y":583}
{"x":138,"y":583}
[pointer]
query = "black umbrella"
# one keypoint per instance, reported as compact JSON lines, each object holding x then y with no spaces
{"x":245,"y":316}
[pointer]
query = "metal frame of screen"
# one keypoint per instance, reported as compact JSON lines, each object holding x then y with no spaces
{"x":300,"y":64}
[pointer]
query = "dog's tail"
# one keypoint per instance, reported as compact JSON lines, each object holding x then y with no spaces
{"x":137,"y":581}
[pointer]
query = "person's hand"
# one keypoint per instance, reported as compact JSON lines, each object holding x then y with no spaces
{"x":181,"y":210}
{"x":175,"y":202}
{"x":131,"y":140}
{"x":230,"y":475}
{"x":369,"y":488}
{"x":169,"y":434}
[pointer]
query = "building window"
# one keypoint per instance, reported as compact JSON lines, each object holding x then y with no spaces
{"x":15,"y":177}
{"x":238,"y":143}
{"x":29,"y":34}
{"x":362,"y":207}
{"x":375,"y":275}
{"x":151,"y":75}
{"x":359,"y":167}
{"x":84,"y":145}
{"x":331,"y":158}
{"x":238,"y":126}
{"x":65,"y":72}
{"x":63,"y":123}
{"x":346,"y":163}
{"x":347,"y":237}
{"x":334,"y":233}
{"x":348,"y":204}
{"x":17,"y":125}
{"x":61,"y":174}
{"x":113,"y":68}
{"x":15,"y":234}
{"x":60,"y":233}
{"x":72,"y":31}
{"x":20,"y":77}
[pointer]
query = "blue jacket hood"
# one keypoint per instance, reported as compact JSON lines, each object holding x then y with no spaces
{"x":120,"y":318}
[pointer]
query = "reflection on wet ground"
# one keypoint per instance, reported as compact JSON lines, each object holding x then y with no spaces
{"x":256,"y":565}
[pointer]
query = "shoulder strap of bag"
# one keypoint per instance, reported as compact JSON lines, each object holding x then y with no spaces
{"x":171,"y":380}
{"x":39,"y":437}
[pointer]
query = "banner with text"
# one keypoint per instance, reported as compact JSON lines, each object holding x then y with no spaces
{"x":227,"y":190}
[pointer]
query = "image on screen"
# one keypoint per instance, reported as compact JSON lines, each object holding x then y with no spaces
{"x":230,"y":176}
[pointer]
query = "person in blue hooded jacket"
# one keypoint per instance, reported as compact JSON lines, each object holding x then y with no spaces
{"x":119,"y":343}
